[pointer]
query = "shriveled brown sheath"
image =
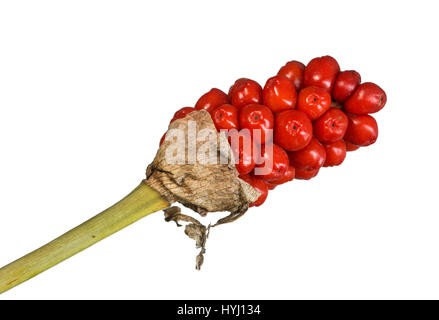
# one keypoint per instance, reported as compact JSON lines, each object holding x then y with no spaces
{"x":202,"y":186}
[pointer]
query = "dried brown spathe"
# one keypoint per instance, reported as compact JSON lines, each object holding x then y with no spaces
{"x":194,"y":230}
{"x":200,"y":185}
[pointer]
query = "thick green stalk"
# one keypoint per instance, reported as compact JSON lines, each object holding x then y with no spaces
{"x":141,"y":202}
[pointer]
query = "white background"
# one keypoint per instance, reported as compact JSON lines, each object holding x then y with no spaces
{"x":88,"y":87}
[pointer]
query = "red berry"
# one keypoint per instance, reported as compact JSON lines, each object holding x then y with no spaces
{"x":345,"y":85}
{"x":289,"y":175}
{"x":335,"y":153}
{"x":321,"y":72}
{"x":331,"y":126}
{"x":260,"y":185}
{"x":270,"y":185}
{"x":162,"y":139}
{"x":311,"y":157}
{"x":293,"y":70}
{"x":351,"y":147}
{"x":225,"y":117}
{"x":292,"y":130}
{"x":259,"y":120}
{"x":274,"y":163}
{"x":279,"y":94}
{"x":306,"y":174}
{"x":314,"y":101}
{"x":245,"y":91}
{"x":182,"y":113}
{"x":362,"y":130}
{"x":211,"y":100}
{"x":244,"y":151}
{"x":368,"y":98}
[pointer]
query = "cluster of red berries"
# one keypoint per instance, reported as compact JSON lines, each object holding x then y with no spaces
{"x":311,"y":115}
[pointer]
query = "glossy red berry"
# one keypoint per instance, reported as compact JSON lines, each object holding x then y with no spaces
{"x":314,"y":101}
{"x":321,"y":72}
{"x":302,"y":174}
{"x":162,"y":139}
{"x":274,"y":162}
{"x":181,"y":113}
{"x":292,"y":130}
{"x":311,"y":157}
{"x":293,"y":70}
{"x":279,"y":94}
{"x":260,"y":185}
{"x":225,"y":117}
{"x":270,"y":185}
{"x":368,"y":98}
{"x":289,"y":175}
{"x":335,"y":153}
{"x":351,"y":147}
{"x":331,"y":126}
{"x":345,"y":85}
{"x":259,"y":120}
{"x":245,"y":91}
{"x":362,"y":130}
{"x":211,"y":100}
{"x":244,"y":151}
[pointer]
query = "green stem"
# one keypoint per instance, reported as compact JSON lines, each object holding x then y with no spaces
{"x":141,"y":202}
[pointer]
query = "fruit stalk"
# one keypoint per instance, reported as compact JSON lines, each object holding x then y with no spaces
{"x":141,"y":202}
